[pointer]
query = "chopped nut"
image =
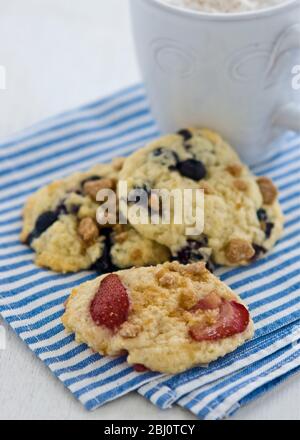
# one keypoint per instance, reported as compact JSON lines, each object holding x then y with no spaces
{"x":239,"y":250}
{"x":118,"y":163}
{"x":174,"y":266}
{"x":235,"y":169}
{"x":240,"y":184}
{"x":168,"y":280}
{"x":92,"y":187}
{"x":88,"y":229}
{"x":267,"y":189}
{"x":195,"y":269}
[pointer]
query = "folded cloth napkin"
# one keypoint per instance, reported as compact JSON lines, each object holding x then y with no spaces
{"x":31,"y":298}
{"x":225,"y":396}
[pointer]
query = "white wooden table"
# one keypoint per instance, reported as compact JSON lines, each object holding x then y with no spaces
{"x":59,"y":54}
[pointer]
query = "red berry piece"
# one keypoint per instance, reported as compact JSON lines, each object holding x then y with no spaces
{"x":110,"y":306}
{"x":233,"y":319}
{"x":140,"y":368}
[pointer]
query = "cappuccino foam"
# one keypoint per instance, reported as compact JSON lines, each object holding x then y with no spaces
{"x":223,"y":6}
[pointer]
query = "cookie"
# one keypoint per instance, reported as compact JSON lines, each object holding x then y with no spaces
{"x":167,"y":318}
{"x":242,"y":216}
{"x":60,"y":226}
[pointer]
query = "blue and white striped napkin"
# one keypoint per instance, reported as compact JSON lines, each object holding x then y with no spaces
{"x":31,"y":298}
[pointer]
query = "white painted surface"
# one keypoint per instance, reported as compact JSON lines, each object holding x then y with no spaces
{"x":59,"y":54}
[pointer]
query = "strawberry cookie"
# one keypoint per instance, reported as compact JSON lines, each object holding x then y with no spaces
{"x":167,"y":318}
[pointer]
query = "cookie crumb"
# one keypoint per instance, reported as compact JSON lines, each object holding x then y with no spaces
{"x":187,"y":299}
{"x":208,"y":190}
{"x":167,"y":280}
{"x":129,"y":330}
{"x":195,"y":269}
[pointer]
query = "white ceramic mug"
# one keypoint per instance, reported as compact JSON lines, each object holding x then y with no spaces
{"x":228,"y":72}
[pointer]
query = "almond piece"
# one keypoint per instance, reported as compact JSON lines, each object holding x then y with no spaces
{"x":88,"y":229}
{"x":240,"y":185}
{"x":235,"y":169}
{"x":118,"y":163}
{"x":239,"y":250}
{"x":268,"y":190}
{"x":91,"y":188}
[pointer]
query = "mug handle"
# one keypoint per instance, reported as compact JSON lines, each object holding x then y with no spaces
{"x":289,"y":117}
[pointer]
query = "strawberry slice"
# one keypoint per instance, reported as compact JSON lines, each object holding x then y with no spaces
{"x":140,"y":368}
{"x":209,"y":302}
{"x":233,"y":319}
{"x":110,"y":305}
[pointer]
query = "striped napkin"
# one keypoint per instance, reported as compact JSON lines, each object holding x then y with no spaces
{"x":31,"y":298}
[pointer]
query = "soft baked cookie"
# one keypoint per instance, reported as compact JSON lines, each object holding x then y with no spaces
{"x":60,"y":226}
{"x":243,"y":219}
{"x":168,"y":318}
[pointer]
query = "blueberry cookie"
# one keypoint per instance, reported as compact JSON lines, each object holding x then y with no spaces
{"x":167,"y":318}
{"x":242,"y":216}
{"x":60,"y":226}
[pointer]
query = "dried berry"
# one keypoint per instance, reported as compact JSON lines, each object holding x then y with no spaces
{"x":186,"y":134}
{"x":259,"y":251}
{"x":110,"y":306}
{"x":233,"y":319}
{"x":104,"y":264}
{"x":192,"y":168}
{"x":262,"y":215}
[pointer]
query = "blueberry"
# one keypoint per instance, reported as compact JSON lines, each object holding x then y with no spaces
{"x":74,"y":209}
{"x":43,"y":222}
{"x":262,"y":215}
{"x":90,"y":179}
{"x":61,"y":209}
{"x":158,"y":152}
{"x":192,"y":168}
{"x":186,"y":134}
{"x":194,"y":251}
{"x":104,"y":264}
{"x":268,"y":229}
{"x":259,"y":251}
{"x":167,"y":157}
{"x":210,"y":266}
